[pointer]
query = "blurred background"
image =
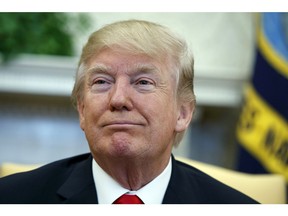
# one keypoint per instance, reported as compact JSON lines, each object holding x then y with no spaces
{"x":39,"y":56}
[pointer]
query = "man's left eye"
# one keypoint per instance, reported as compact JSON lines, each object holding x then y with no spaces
{"x":144,"y":82}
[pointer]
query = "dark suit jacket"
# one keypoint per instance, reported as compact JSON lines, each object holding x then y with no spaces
{"x":70,"y":181}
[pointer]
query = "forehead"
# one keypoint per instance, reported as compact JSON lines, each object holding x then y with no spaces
{"x":113,"y":61}
{"x":120,"y":58}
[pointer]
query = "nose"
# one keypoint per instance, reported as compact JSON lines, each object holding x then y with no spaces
{"x":120,"y":97}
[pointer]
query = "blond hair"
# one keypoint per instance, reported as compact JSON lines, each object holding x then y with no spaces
{"x":141,"y":37}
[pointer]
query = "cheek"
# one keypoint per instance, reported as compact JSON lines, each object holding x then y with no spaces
{"x":91,"y":111}
{"x":163,"y":116}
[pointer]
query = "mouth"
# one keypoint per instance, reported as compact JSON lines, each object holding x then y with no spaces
{"x":122,"y":124}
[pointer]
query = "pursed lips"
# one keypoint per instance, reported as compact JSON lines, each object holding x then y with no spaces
{"x":122,"y":123}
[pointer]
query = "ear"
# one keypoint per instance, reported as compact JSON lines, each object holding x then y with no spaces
{"x":185,"y":114}
{"x":81,"y":109}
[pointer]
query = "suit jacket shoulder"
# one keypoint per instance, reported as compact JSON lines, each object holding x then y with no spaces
{"x":65,"y":181}
{"x":190,"y":185}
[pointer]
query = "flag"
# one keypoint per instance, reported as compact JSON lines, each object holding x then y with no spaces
{"x":262,"y":130}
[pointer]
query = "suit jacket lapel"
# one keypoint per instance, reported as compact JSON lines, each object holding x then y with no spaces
{"x":181,"y":190}
{"x":79,"y":186}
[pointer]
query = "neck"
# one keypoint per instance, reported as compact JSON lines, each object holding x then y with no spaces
{"x":133,"y":174}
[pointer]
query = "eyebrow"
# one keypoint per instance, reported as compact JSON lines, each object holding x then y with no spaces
{"x":144,"y":68}
{"x":99,"y":68}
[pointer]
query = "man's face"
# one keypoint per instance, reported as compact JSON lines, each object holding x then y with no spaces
{"x":129,"y":107}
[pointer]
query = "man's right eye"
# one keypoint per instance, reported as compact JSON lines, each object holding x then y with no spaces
{"x":100,"y":81}
{"x":100,"y":85}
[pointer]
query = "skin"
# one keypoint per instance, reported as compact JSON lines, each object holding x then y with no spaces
{"x":130,"y":115}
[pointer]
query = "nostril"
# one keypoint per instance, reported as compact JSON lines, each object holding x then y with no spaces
{"x":114,"y":108}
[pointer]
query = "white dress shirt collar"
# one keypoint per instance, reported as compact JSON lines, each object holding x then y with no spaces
{"x":108,"y":190}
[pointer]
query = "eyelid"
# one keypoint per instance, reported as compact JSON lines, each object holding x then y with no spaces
{"x":150,"y":81}
{"x":149,"y":76}
{"x":97,"y":80}
{"x":100,"y":76}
